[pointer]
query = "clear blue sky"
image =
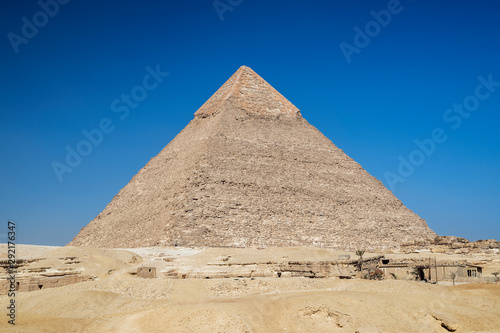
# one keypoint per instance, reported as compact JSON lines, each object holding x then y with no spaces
{"x":396,"y":89}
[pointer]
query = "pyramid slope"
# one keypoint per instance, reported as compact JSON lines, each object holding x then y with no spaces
{"x":248,"y":170}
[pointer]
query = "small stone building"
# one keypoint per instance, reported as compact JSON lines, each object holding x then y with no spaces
{"x":146,"y":272}
{"x":445,"y":271}
{"x":430,"y":270}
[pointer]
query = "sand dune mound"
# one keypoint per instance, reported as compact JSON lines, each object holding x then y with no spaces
{"x":118,"y":301}
{"x":285,"y":305}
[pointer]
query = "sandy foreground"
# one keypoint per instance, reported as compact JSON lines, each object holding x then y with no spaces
{"x":117,"y":301}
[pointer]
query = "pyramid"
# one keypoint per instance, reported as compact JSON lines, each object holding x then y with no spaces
{"x":250,"y":171}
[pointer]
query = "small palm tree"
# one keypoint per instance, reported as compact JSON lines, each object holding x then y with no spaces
{"x":453,"y":277}
{"x":360,"y":253}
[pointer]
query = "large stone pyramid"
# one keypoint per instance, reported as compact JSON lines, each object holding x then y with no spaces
{"x":249,"y":171}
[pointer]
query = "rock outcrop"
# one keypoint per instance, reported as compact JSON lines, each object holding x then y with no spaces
{"x":452,"y":244}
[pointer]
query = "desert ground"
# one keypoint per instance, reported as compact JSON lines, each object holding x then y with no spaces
{"x":115,"y":299}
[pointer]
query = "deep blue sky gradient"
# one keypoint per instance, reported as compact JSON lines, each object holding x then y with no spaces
{"x":394,"y":91}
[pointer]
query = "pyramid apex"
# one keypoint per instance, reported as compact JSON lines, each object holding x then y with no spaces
{"x":246,"y":90}
{"x":248,"y":71}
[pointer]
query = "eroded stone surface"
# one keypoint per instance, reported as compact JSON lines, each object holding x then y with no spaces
{"x":250,"y":92}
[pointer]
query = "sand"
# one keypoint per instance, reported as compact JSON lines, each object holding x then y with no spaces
{"x":120,"y":302}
